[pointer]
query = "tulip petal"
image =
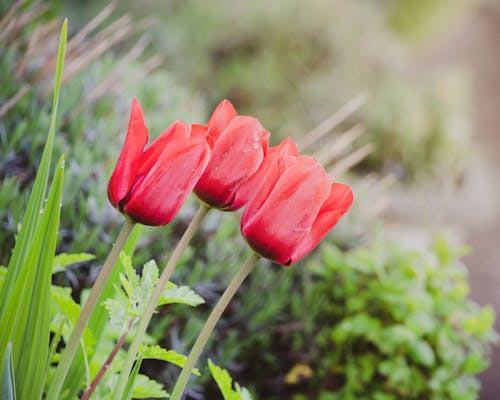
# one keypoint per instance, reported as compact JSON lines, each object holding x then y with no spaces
{"x":335,"y":206}
{"x":169,"y":182}
{"x":178,"y":130}
{"x":236,"y":156}
{"x":221,"y":117}
{"x":287,"y":215}
{"x":199,"y":131}
{"x":124,"y":174}
{"x":262,"y":182}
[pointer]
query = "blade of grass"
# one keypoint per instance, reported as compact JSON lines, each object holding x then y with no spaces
{"x":8,"y":382}
{"x":35,"y":338}
{"x":35,"y":202}
{"x":17,"y":291}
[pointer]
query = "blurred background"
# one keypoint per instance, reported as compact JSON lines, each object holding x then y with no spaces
{"x":400,"y":99}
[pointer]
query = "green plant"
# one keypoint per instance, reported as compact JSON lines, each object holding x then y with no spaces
{"x":397,"y":324}
{"x":91,"y":118}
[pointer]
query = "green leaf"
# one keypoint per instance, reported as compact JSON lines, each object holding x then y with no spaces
{"x":171,"y":356}
{"x":24,"y":296}
{"x":26,"y":322}
{"x":422,"y":352}
{"x":225,"y":384}
{"x":131,"y":299}
{"x":129,"y":387}
{"x":61,"y":261}
{"x":180,"y":295}
{"x":32,"y":216}
{"x":147,"y":388}
{"x":3,"y":273}
{"x":8,"y":381}
{"x":32,"y":359}
{"x":68,"y":309}
{"x":474,"y":363}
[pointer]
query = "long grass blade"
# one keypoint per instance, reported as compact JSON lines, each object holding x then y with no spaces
{"x":35,"y":202}
{"x":35,"y":338}
{"x":8,"y":382}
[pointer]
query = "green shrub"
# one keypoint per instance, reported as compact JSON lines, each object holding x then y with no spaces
{"x":396,"y":324}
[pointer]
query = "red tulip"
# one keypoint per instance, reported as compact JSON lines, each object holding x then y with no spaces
{"x":239,"y":146}
{"x":294,"y":207}
{"x":150,"y":186}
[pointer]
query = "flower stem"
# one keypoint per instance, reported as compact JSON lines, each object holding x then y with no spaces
{"x":118,"y":345}
{"x":209,"y":326}
{"x":76,"y":334}
{"x":155,"y":298}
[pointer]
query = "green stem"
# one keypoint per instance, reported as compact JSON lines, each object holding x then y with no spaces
{"x":76,"y":334}
{"x":209,"y":326}
{"x":155,"y":298}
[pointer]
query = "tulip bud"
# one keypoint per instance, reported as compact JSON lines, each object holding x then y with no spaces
{"x":150,"y":186}
{"x":293,"y":208}
{"x":239,"y":146}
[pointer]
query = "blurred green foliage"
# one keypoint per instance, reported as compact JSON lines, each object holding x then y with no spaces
{"x":293,"y":63}
{"x":91,"y":135}
{"x":397,"y":324}
{"x":376,"y":321}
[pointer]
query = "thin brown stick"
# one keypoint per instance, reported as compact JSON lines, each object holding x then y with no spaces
{"x":331,"y":122}
{"x":346,"y":163}
{"x":91,"y":25}
{"x":118,"y":345}
{"x":14,"y":99}
{"x":337,"y":145}
{"x":8,"y":16}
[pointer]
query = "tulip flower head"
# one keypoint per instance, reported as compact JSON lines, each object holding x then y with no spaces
{"x":240,"y":144}
{"x":150,"y":186}
{"x":294,"y":207}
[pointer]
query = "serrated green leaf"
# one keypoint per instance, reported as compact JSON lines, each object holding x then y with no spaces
{"x":147,"y":388}
{"x":8,"y":381}
{"x":131,"y":299}
{"x":70,"y":311}
{"x":180,"y":295}
{"x":225,"y":384}
{"x":61,"y":261}
{"x":171,"y":356}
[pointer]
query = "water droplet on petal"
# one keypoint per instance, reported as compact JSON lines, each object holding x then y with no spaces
{"x":255,"y":146}
{"x":301,"y":229}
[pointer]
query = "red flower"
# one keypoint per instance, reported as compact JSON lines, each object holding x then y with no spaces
{"x":294,"y":207}
{"x":151,"y":185}
{"x":239,"y":146}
